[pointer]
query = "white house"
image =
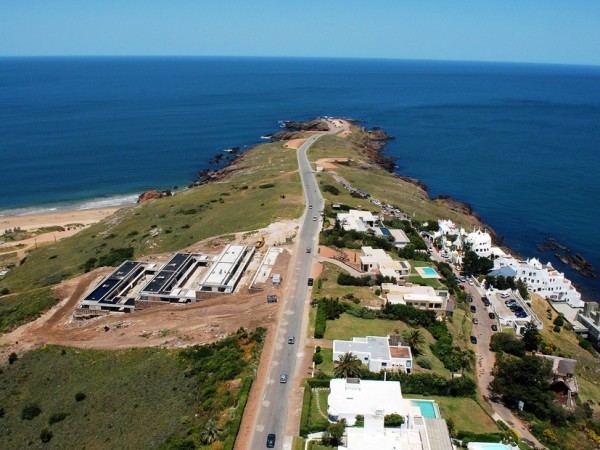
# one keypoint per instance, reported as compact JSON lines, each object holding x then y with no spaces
{"x":542,"y":279}
{"x":375,"y":400}
{"x":421,"y":297}
{"x":480,"y":242}
{"x":398,"y":237}
{"x":376,"y":352}
{"x":356,"y":220}
{"x":351,"y":397}
{"x":375,"y":259}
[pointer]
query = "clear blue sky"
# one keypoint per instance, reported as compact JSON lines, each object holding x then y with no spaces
{"x":546,"y":31}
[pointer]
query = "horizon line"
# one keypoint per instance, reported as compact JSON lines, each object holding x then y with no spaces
{"x":348,"y":58}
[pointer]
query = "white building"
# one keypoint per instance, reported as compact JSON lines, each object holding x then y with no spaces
{"x":356,"y":220}
{"x":542,"y":279}
{"x":480,"y":242}
{"x":376,"y":352}
{"x":375,"y":400}
{"x":375,"y":259}
{"x":398,"y":237}
{"x":417,"y":296}
{"x":351,"y":397}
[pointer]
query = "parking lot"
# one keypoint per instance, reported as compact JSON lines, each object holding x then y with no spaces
{"x":507,"y":307}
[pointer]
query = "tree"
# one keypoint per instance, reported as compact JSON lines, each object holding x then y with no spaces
{"x":525,"y":379}
{"x":531,"y":337}
{"x":210,"y":432}
{"x":522,"y":288}
{"x":347,"y":366}
{"x":474,"y":264}
{"x":12,"y":358}
{"x":80,"y":396}
{"x":415,"y":340}
{"x":333,"y":435}
{"x":393,"y":420}
{"x":46,"y":435}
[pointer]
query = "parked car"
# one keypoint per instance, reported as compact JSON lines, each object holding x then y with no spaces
{"x":473,"y":340}
{"x":462,"y":288}
{"x":310,"y":281}
{"x":470,"y":283}
{"x":494,"y":327}
{"x":283,"y":378}
{"x":271,"y":440}
{"x":492,"y":315}
{"x":475,"y":321}
{"x":271,"y":299}
{"x":473,"y":309}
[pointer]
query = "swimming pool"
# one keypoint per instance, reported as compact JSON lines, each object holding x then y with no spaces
{"x":427,"y":408}
{"x":429,"y":271}
{"x":486,"y":446}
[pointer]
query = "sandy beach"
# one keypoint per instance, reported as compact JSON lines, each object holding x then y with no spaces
{"x":62,"y":218}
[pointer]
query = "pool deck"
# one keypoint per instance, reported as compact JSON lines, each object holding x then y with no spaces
{"x":424,"y":273}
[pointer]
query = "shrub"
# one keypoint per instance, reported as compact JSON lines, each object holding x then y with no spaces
{"x":57,"y":417}
{"x":46,"y":435}
{"x":331,"y":189}
{"x":266,"y":186}
{"x":12,"y":358}
{"x":584,"y":343}
{"x":359,"y":420}
{"x":559,"y":321}
{"x":80,"y":396}
{"x":4,"y":291}
{"x":424,"y":362}
{"x":30,"y":411}
{"x":317,"y":358}
{"x":556,"y":329}
{"x":393,"y":420}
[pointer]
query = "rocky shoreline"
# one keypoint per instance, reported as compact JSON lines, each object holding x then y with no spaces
{"x":372,"y":144}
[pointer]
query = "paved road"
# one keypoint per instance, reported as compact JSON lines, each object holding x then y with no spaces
{"x":273,"y":413}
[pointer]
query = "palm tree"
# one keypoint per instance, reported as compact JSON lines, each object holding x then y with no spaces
{"x":211,"y":432}
{"x":347,"y":366}
{"x":415,"y":340}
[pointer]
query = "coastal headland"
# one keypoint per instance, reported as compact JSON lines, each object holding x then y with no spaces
{"x":255,"y":201}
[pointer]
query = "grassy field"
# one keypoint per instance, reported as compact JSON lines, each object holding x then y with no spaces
{"x":234,"y":204}
{"x":466,"y":414}
{"x":315,"y":415}
{"x":130,"y":399}
{"x":389,"y":188}
{"x":347,"y":327}
{"x":21,"y":308}
{"x":126,"y":392}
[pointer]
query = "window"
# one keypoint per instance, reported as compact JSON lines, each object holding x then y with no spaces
{"x":383,"y":364}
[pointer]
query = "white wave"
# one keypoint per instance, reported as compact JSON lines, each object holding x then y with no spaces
{"x":119,"y":200}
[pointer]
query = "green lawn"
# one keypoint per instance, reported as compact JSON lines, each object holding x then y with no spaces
{"x":332,"y":289}
{"x":466,"y":414}
{"x":327,"y":365}
{"x":315,"y":416}
{"x":347,"y":327}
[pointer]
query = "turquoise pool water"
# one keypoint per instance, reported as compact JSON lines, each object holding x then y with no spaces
{"x":486,"y":446}
{"x":429,"y":271}
{"x":427,"y":408}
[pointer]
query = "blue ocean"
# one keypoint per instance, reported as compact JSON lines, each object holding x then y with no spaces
{"x":519,"y":143}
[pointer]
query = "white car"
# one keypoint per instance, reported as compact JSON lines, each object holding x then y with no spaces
{"x":470,"y":283}
{"x":314,"y":218}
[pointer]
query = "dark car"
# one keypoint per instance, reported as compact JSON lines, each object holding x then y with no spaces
{"x":271,"y":299}
{"x":473,"y":340}
{"x":310,"y":281}
{"x":271,"y":440}
{"x":473,"y":309}
{"x":494,"y":327}
{"x":308,"y":250}
{"x":492,"y":315}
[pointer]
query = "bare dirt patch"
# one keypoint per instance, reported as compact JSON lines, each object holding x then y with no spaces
{"x":294,"y":143}
{"x":329,"y":163}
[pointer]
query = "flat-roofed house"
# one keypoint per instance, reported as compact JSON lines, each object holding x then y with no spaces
{"x":376,"y":353}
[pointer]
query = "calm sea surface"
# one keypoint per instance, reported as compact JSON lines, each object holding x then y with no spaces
{"x":519,"y":143}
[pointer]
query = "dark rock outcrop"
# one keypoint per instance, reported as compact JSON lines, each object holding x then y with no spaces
{"x":153,"y":194}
